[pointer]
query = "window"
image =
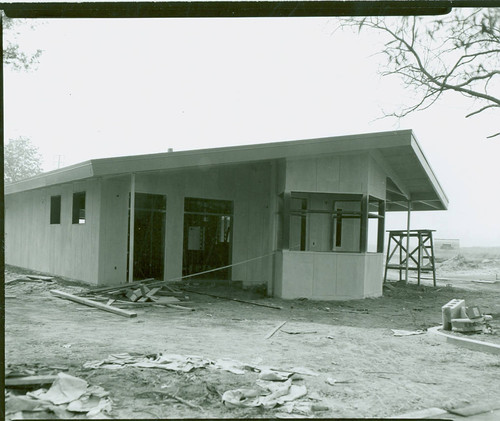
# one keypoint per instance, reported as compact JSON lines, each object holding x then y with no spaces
{"x":55,"y":209}
{"x":326,"y":222}
{"x":78,"y":208}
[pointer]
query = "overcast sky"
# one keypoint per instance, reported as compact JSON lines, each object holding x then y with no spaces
{"x":120,"y":87}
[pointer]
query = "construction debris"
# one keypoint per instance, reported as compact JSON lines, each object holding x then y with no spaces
{"x":270,"y":334}
{"x":29,"y":381}
{"x":91,"y":303}
{"x":172,"y":362}
{"x":40,"y":277}
{"x":67,"y":395}
{"x":267,"y":395}
{"x":400,"y":332}
{"x":139,"y":293}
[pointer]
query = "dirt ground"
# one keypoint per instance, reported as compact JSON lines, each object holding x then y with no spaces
{"x":377,"y":374}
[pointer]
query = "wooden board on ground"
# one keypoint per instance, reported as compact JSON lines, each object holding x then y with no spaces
{"x":40,"y":277}
{"x":91,"y":303}
{"x":167,"y":300}
{"x":29,"y":380}
{"x":179,"y":307}
{"x":270,"y":334}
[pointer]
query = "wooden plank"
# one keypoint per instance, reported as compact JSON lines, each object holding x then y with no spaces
{"x":91,"y":303}
{"x":167,"y":300}
{"x":152,"y":292}
{"x":40,"y":277}
{"x":270,"y":334}
{"x":29,"y":380}
{"x":178,"y":307}
{"x":10,"y":281}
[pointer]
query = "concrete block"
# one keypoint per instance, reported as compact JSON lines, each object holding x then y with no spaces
{"x":467,"y":325}
{"x":454,"y":309}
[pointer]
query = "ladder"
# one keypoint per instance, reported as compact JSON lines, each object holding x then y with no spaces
{"x":420,"y":256}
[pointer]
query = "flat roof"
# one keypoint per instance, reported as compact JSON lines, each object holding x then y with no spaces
{"x":398,"y":152}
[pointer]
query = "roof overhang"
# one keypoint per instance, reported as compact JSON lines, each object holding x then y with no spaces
{"x":409,"y":175}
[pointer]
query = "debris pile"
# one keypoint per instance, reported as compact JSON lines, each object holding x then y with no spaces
{"x":145,"y":291}
{"x":273,"y":387}
{"x":459,"y":318}
{"x":457,"y":263}
{"x":134,"y":294}
{"x":68,"y":397}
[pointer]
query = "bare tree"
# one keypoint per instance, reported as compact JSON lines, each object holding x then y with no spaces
{"x":458,"y":52}
{"x":21,"y":160}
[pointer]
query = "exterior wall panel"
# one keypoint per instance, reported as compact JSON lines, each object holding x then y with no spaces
{"x":65,"y":249}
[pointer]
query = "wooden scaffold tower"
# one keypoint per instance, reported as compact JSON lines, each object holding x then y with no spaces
{"x":403,"y":257}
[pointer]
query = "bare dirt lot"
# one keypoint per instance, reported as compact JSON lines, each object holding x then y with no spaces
{"x":376,"y":374}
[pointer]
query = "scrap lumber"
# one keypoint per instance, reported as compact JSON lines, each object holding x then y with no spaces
{"x":120,"y":286}
{"x":234,"y":299}
{"x":134,"y":295}
{"x":152,"y":292}
{"x":178,"y":307}
{"x":40,"y":277}
{"x":25,"y":279}
{"x":91,"y":303}
{"x":168,"y":300}
{"x":30,"y":380}
{"x":270,"y":334}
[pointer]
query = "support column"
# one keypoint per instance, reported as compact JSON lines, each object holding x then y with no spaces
{"x":407,"y":241}
{"x":131,"y":229}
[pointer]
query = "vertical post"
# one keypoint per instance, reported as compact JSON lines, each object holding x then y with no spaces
{"x":272,"y":228}
{"x":420,"y":257}
{"x":131,"y":232}
{"x":433,"y":260}
{"x":381,"y":227}
{"x":287,"y":197}
{"x":363,"y":232}
{"x":387,"y":256}
{"x":407,"y":241}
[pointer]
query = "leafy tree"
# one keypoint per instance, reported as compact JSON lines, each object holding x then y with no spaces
{"x":458,"y":52}
{"x":21,"y":160}
{"x":12,"y":55}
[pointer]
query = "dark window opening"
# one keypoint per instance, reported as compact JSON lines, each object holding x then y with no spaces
{"x":79,"y":208}
{"x":324,"y":222}
{"x":55,"y":209}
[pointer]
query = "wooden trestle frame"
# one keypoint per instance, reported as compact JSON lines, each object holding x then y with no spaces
{"x":421,"y":257}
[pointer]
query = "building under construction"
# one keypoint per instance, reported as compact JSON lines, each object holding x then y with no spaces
{"x":304,"y":217}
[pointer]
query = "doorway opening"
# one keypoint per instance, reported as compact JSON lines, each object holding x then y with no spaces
{"x":207,"y":237}
{"x":149,"y":235}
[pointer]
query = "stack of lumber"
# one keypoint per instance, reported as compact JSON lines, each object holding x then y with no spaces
{"x":140,"y":292}
{"x":134,"y":294}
